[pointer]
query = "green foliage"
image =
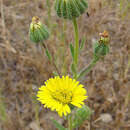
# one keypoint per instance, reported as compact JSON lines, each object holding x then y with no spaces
{"x":38,"y":32}
{"x":2,"y":112}
{"x":82,"y":43}
{"x":86,"y":70}
{"x":69,"y":9}
{"x":48,"y":4}
{"x":72,"y":50}
{"x":73,"y":68}
{"x":100,"y":49}
{"x":3,"y":115}
{"x":48,"y":54}
{"x":58,"y":125}
{"x":81,"y":115}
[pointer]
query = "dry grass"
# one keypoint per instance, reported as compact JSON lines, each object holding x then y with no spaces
{"x":24,"y":67}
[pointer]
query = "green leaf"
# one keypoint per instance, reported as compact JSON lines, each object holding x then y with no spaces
{"x":81,"y":115}
{"x":59,"y":126}
{"x":73,"y":68}
{"x":82,"y":43}
{"x":3,"y":115}
{"x":72,"y":50}
{"x":48,"y":55}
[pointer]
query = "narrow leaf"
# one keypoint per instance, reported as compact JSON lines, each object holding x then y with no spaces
{"x":73,"y":68}
{"x":59,"y":126}
{"x":81,"y":115}
{"x":82,"y":43}
{"x":72,"y":50}
{"x":48,"y":55}
{"x":3,"y":115}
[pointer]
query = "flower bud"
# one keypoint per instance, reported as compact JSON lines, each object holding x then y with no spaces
{"x":81,"y":114}
{"x":104,"y":38}
{"x":101,"y":47}
{"x":70,"y":8}
{"x":38,"y":32}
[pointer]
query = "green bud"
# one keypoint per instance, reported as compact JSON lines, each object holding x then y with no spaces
{"x":38,"y":32}
{"x":81,"y":115}
{"x":70,"y":8}
{"x":101,"y":47}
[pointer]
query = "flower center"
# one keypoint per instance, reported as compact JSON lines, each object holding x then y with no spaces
{"x":62,"y":96}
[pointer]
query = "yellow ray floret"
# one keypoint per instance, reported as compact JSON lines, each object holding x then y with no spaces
{"x":59,"y":93}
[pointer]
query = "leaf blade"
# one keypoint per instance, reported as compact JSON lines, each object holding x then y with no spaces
{"x":59,"y":126}
{"x":72,"y":50}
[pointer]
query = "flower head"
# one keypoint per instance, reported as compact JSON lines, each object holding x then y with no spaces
{"x":101,"y":47}
{"x":60,"y":93}
{"x":69,"y":9}
{"x":38,"y":32}
{"x":104,"y":37}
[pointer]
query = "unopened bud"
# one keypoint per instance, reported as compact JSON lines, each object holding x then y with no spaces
{"x":38,"y":32}
{"x":69,"y":9}
{"x":104,"y":38}
{"x":101,"y":47}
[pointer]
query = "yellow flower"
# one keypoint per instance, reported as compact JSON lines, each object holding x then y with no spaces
{"x":59,"y":93}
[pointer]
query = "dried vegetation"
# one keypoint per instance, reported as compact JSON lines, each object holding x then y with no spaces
{"x":24,"y":67}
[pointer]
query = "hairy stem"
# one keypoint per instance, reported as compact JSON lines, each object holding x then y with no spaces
{"x":50,"y":58}
{"x":88,"y":69}
{"x":76,"y":45}
{"x":64,"y":69}
{"x":70,"y":122}
{"x":48,"y":11}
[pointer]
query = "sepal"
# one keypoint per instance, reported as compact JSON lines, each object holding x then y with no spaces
{"x":69,"y":9}
{"x":101,"y":47}
{"x":38,"y":32}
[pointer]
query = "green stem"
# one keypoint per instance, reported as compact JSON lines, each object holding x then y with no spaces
{"x":76,"y":45}
{"x":50,"y":58}
{"x":88,"y":69}
{"x":48,"y":11}
{"x":64,"y":67}
{"x":70,"y":122}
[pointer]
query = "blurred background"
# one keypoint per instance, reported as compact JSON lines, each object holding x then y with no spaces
{"x":24,"y":66}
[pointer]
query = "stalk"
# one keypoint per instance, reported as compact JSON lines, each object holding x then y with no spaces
{"x":70,"y":122}
{"x":64,"y":67}
{"x":48,"y":11}
{"x":88,"y":69}
{"x":76,"y":45}
{"x":50,"y":58}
